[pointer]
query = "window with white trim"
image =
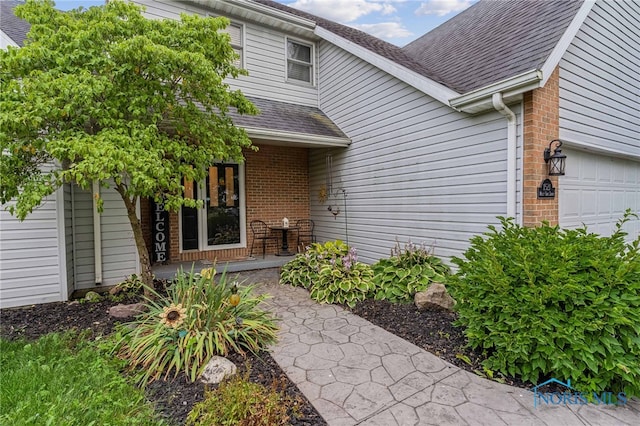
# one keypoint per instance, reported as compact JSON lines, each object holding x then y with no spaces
{"x":236,"y":32}
{"x":299,"y":61}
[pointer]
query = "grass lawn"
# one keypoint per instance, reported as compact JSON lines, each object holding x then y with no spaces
{"x":61,"y":379}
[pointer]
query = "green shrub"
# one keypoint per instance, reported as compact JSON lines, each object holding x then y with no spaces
{"x":545,"y":302}
{"x":195,"y":321}
{"x":62,"y":379}
{"x":406,"y":272}
{"x":332,"y":274}
{"x":238,"y":401}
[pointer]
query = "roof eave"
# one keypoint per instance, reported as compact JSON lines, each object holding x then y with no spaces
{"x":6,"y":41}
{"x":480,"y":100}
{"x":297,"y":139}
{"x":420,"y":82}
{"x":261,"y":13}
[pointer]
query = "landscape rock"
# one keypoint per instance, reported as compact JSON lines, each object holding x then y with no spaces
{"x":92,"y":296}
{"x":126,"y":311}
{"x":435,"y":296}
{"x":217,"y":369}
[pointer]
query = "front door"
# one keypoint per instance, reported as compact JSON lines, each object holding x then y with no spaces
{"x":219,"y":224}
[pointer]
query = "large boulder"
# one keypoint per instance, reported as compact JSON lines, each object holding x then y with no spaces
{"x":126,"y":311}
{"x":217,"y":369}
{"x":435,"y":296}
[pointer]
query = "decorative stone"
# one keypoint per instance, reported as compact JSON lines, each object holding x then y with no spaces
{"x":126,"y":311}
{"x":92,"y":296}
{"x":435,"y":296}
{"x":217,"y":369}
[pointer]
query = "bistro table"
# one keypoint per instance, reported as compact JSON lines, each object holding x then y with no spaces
{"x":284,"y":250}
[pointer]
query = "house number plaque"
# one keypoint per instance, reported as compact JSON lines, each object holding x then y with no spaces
{"x":546,"y":190}
{"x":160,"y":224}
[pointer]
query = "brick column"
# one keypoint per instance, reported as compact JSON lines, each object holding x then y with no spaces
{"x":541,"y":126}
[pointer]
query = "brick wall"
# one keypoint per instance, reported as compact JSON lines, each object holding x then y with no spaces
{"x":276,"y":186}
{"x":541,"y":126}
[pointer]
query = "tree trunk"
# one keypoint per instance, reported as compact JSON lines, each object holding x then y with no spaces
{"x":145,"y":261}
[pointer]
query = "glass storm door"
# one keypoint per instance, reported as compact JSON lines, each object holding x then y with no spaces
{"x":223,"y":205}
{"x":219,"y":223}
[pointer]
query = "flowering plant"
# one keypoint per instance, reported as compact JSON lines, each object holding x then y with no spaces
{"x":197,"y":319}
{"x":331,"y":272}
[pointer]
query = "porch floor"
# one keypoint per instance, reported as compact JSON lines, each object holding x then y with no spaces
{"x":167,"y":272}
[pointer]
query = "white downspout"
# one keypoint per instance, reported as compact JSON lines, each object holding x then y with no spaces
{"x":499,"y":105}
{"x":97,"y":234}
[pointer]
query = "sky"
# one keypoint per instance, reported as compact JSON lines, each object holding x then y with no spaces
{"x":396,"y":21}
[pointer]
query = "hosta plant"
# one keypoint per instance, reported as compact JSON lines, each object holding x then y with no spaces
{"x":196,"y":320}
{"x":546,"y":302}
{"x":409,"y":270}
{"x":332,"y":274}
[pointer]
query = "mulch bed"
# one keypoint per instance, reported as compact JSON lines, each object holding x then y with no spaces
{"x":430,"y":329}
{"x":174,"y":399}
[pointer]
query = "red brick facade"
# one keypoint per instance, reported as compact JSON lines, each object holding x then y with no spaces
{"x":276,"y":186}
{"x":541,"y":126}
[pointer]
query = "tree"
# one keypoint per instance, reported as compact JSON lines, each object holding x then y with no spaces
{"x":107,"y":95}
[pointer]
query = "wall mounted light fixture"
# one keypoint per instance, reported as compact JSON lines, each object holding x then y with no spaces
{"x":555,"y":161}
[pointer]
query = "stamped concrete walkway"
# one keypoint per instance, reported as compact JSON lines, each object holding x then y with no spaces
{"x":356,"y":373}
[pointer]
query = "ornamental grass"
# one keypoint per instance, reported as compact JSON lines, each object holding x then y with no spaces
{"x":197,"y":319}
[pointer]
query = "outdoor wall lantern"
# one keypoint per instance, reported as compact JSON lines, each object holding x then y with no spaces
{"x":555,"y":161}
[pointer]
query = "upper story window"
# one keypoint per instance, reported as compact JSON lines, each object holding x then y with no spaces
{"x":236,"y":32}
{"x":299,"y":61}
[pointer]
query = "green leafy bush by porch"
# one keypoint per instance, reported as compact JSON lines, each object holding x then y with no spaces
{"x":197,"y":319}
{"x":545,"y":302}
{"x":331,"y":272}
{"x":409,"y":270}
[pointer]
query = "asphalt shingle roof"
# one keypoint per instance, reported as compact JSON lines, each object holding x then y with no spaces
{"x":10,"y":24}
{"x":287,"y":117}
{"x":493,"y":40}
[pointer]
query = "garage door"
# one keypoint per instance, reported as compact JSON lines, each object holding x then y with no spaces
{"x":596,"y":190}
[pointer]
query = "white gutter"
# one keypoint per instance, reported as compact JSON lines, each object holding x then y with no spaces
{"x":482,"y":99}
{"x":499,"y":105}
{"x":97,"y":234}
{"x":297,"y":138}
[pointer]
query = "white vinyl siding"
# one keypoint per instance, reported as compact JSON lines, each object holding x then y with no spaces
{"x":83,"y":250}
{"x":264,"y":57}
{"x":29,"y":257}
{"x":415,"y":170}
{"x":119,"y":255}
{"x":600,"y":81}
{"x":68,"y":232}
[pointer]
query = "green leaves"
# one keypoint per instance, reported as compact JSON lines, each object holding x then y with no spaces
{"x":406,"y":272}
{"x":207,"y":325}
{"x":546,"y":302}
{"x":107,"y":94}
{"x":331,"y":273}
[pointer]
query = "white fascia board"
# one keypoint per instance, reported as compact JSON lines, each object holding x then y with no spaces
{"x":262,"y":11}
{"x":6,"y":41}
{"x":510,"y":88}
{"x":297,"y":138}
{"x":420,"y":82}
{"x":561,"y":47}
